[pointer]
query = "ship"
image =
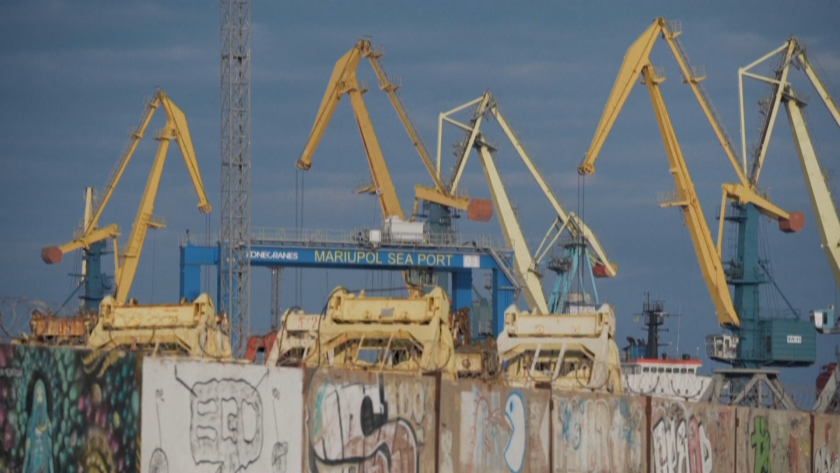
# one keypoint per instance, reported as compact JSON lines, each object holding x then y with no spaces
{"x":647,"y":372}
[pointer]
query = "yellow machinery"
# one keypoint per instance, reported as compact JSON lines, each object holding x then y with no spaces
{"x":564,"y":342}
{"x":410,"y":335}
{"x":126,"y":262}
{"x":190,"y":329}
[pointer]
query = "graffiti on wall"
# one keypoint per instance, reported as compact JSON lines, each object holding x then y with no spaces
{"x":599,"y":433}
{"x":239,"y":417}
{"x":691,"y":438}
{"x":370,"y":422}
{"x":67,"y":410}
{"x":773,"y":441}
{"x":493,"y":428}
{"x":826,"y":444}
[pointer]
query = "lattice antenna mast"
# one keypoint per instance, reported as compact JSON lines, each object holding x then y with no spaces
{"x":235,"y":284}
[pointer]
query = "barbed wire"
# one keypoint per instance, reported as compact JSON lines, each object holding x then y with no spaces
{"x":15,"y":313}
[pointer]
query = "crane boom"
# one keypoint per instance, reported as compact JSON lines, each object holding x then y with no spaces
{"x":513,"y":233}
{"x":686,"y":199}
{"x":386,"y":84}
{"x":344,"y":81}
{"x":636,"y":58}
{"x":821,"y":200}
{"x":576,"y":226}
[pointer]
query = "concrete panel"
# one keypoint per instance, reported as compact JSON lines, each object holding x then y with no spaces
{"x":487,"y":428}
{"x":826,"y":443}
{"x":361,"y":421}
{"x":777,"y":441}
{"x":599,"y":433}
{"x":691,"y":437}
{"x":221,"y":417}
{"x":67,"y":410}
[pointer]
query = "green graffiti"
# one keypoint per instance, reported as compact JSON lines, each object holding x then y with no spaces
{"x":761,"y":443}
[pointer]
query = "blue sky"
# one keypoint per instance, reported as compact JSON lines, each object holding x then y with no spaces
{"x":75,"y":75}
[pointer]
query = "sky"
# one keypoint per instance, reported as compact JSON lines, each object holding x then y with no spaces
{"x":76,"y":75}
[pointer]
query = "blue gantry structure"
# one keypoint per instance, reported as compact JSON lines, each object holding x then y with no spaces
{"x":456,"y":256}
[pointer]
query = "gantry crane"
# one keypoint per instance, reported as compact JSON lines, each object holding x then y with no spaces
{"x":790,"y":343}
{"x":793,"y":53}
{"x":567,"y":342}
{"x":125,"y":263}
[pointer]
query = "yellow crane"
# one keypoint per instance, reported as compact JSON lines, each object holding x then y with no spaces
{"x":636,"y":63}
{"x":176,"y":128}
{"x":344,"y":81}
{"x":526,"y":263}
{"x":793,"y":53}
{"x":566,"y":345}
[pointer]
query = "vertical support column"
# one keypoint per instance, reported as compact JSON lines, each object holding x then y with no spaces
{"x":192,"y":259}
{"x":276,"y":279}
{"x":502,"y":298}
{"x":190,"y":281}
{"x":235,"y":280}
{"x":461,"y":295}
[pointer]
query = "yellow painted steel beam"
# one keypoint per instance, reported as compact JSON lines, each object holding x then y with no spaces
{"x":181,"y":132}
{"x":134,"y":248}
{"x":344,"y":81}
{"x":344,"y":68}
{"x":532,"y":287}
{"x":386,"y":84}
{"x":636,"y":57}
{"x":821,"y":90}
{"x":385,"y":190}
{"x":577,"y":227}
{"x":430,"y":194}
{"x":126,"y":157}
{"x":821,"y":200}
{"x":770,"y":118}
{"x":52,"y":255}
{"x":745,"y":195}
{"x":707,"y":255}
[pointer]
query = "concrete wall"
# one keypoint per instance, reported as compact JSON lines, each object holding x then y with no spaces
{"x":493,"y":428}
{"x":773,"y":441}
{"x":691,"y":437}
{"x":359,"y":421}
{"x":220,"y":417}
{"x":826,"y":444}
{"x":597,"y":433}
{"x":67,"y":410}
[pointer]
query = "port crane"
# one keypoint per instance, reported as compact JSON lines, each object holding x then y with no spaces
{"x":92,"y":237}
{"x":756,"y":342}
{"x":793,"y":53}
{"x":566,"y":341}
{"x":344,"y":81}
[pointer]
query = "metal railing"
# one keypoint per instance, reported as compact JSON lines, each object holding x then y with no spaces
{"x":309,"y":236}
